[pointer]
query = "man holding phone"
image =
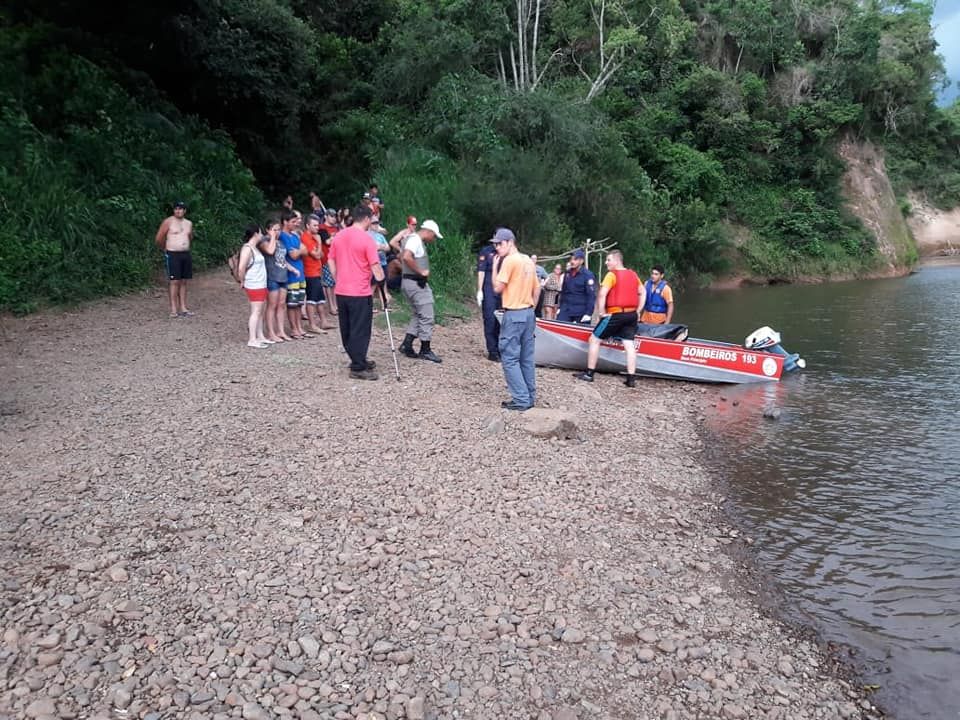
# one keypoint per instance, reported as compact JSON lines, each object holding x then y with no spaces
{"x":515,"y":280}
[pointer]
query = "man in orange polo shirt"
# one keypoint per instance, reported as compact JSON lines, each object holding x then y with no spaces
{"x":515,"y":280}
{"x":620,"y":295}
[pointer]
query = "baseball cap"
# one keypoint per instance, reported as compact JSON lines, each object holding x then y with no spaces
{"x":366,"y":196}
{"x":578,"y":253}
{"x":502,"y":235}
{"x":432,"y":226}
{"x":179,"y":204}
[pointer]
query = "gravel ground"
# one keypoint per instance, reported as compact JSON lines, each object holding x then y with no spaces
{"x":193,"y":529}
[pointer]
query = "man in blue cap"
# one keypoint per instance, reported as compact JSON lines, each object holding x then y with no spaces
{"x":579,"y":293}
{"x":515,"y":280}
{"x":488,"y":301}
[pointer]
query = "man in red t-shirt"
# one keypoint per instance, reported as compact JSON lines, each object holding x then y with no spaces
{"x":352,"y":260}
{"x":312,"y":270}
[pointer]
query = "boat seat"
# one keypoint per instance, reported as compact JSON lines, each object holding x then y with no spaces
{"x":663,"y":332}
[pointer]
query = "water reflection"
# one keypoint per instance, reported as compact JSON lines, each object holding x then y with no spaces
{"x":854,"y":494}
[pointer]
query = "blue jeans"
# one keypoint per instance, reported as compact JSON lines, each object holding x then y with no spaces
{"x":491,"y":327}
{"x":516,"y":355}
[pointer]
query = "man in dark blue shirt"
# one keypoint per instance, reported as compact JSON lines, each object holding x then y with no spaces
{"x":579,"y":293}
{"x":488,"y":301}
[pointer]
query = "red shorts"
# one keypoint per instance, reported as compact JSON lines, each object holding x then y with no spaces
{"x":258,"y":295}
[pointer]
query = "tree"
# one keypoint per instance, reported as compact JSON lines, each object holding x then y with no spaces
{"x":600,"y":37}
{"x":525,"y":48}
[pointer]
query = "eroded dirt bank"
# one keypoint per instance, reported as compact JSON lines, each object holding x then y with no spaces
{"x":191,"y":528}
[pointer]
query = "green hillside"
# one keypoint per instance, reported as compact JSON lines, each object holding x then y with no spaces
{"x":670,"y":126}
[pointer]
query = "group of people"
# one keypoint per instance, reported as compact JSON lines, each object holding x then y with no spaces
{"x":512,"y":289}
{"x":568,"y":295}
{"x":324,"y":272}
{"x":305,"y":277}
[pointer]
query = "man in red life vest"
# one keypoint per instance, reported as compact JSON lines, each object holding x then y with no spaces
{"x":621,"y":294}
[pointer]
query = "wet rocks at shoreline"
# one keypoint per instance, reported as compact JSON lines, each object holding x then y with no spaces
{"x":188,"y":543}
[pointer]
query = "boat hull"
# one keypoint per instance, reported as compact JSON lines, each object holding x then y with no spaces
{"x":564,"y":345}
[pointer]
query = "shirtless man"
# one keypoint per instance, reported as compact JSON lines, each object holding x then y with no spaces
{"x":174,"y":238}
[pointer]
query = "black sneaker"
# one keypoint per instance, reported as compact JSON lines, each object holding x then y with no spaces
{"x":409,"y":351}
{"x":630,"y":381}
{"x":364,"y":375}
{"x":429,"y":355}
{"x":515,"y":406}
{"x":585,"y":376}
{"x":494,"y":357}
{"x":371,"y":364}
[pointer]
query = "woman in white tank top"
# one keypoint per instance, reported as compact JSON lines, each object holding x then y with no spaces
{"x":253,"y":279}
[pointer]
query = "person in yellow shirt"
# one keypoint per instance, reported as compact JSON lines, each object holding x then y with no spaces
{"x":515,"y":280}
{"x":658,"y":309}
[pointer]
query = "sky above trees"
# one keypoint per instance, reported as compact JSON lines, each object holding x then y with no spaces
{"x":946,"y":20}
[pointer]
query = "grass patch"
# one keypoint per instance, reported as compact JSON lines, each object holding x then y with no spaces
{"x":422,"y":183}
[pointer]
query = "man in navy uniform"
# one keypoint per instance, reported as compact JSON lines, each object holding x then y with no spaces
{"x":488,"y":301}
{"x":579,"y":293}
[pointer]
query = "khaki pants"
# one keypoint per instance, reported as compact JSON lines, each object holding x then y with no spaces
{"x":421,"y":303}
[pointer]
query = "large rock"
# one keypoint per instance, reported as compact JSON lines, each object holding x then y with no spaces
{"x":869,"y":196}
{"x":936,"y":231}
{"x":546,"y":423}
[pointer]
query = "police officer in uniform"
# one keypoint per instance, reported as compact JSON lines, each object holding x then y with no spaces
{"x":416,"y":289}
{"x":579,"y":293}
{"x":488,"y":301}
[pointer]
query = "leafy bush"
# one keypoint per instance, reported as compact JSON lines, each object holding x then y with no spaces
{"x":85,"y":186}
{"x":928,"y":162}
{"x":418,"y":182}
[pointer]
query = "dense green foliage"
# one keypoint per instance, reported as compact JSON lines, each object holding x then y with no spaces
{"x":420,"y":179}
{"x":87,"y":173}
{"x":700,"y":133}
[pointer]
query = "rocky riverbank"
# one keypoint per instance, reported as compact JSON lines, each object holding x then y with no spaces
{"x":191,"y":528}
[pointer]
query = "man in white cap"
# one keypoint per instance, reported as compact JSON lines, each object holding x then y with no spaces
{"x":416,"y":288}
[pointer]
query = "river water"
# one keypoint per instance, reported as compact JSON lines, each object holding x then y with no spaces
{"x":853,"y":496}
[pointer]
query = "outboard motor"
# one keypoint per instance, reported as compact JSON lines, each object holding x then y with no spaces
{"x":768,"y":339}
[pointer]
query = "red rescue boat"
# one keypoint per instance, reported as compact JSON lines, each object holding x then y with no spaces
{"x":665,"y":351}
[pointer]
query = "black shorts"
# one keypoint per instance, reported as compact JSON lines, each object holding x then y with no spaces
{"x":619,"y":325}
{"x":315,"y":291}
{"x":179,"y":264}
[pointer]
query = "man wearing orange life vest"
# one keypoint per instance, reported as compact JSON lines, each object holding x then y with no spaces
{"x":621,"y":294}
